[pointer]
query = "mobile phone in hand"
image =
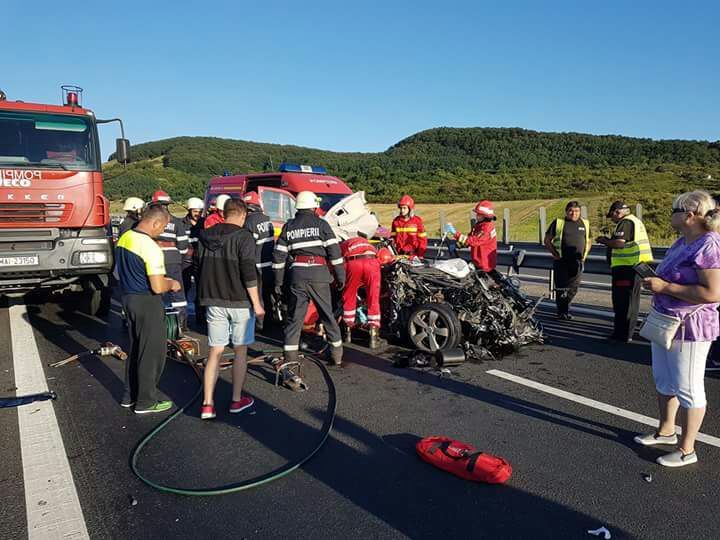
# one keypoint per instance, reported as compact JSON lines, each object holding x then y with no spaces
{"x":644,"y":270}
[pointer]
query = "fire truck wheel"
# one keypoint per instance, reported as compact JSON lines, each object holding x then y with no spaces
{"x":433,"y":327}
{"x":95,"y":299}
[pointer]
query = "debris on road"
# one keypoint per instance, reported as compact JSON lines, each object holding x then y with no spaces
{"x":133,"y":500}
{"x":647,"y":477}
{"x":601,"y":531}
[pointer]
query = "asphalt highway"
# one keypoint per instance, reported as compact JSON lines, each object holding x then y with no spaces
{"x":575,"y":467}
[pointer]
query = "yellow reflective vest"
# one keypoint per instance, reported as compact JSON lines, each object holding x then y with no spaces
{"x":560,"y":227}
{"x":634,"y":252}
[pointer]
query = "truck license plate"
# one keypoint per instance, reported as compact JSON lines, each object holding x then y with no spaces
{"x":20,"y":260}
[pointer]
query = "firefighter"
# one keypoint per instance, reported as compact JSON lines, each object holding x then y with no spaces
{"x":133,"y":206}
{"x":263,"y":232}
{"x":217,"y":216}
{"x":193,"y":223}
{"x":174,"y":244}
{"x":408,"y":231}
{"x":628,"y":246}
{"x":482,"y":239}
{"x":313,"y":248}
{"x":363,"y":270}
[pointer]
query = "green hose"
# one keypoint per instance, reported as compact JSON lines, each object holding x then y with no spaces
{"x":247,"y":484}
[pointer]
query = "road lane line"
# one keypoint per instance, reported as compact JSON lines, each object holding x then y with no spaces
{"x":617,"y":411}
{"x":52,"y":505}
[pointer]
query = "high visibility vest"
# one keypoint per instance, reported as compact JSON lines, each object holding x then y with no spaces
{"x":634,"y":252}
{"x":560,"y":227}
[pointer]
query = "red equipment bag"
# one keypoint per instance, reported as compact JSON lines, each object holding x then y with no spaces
{"x":463,"y":460}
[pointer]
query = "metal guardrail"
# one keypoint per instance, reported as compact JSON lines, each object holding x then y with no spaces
{"x":537,"y":257}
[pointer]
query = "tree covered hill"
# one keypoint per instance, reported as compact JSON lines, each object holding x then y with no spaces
{"x":442,"y":165}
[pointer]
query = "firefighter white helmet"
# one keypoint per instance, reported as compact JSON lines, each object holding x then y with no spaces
{"x":221,"y":200}
{"x":194,"y":203}
{"x":133,"y":204}
{"x":307,"y":200}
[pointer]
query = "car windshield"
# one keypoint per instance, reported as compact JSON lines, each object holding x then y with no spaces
{"x":328,"y":200}
{"x":47,"y":141}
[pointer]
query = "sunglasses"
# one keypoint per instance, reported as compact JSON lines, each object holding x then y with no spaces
{"x":678,"y":211}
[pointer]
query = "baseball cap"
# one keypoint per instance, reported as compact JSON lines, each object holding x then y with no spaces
{"x":617,"y":205}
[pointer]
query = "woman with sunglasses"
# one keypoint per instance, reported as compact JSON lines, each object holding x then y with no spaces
{"x":687,"y":286}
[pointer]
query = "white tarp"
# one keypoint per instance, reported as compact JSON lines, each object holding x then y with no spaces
{"x":351,"y":215}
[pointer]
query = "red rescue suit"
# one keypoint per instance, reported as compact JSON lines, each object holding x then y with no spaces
{"x":409,"y":235}
{"x":213,"y":219}
{"x":363,"y":270}
{"x":482,"y":241}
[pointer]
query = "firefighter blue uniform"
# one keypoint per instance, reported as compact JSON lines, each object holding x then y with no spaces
{"x":173,"y":242}
{"x":309,"y":247}
{"x":263,"y":233}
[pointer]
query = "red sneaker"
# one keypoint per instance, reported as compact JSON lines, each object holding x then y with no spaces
{"x":244,"y":403}
{"x":207,"y":412}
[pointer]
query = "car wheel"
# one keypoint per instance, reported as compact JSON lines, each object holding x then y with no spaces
{"x":434,"y":327}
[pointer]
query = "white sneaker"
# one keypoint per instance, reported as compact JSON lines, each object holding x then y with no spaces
{"x":652,"y":439}
{"x":677,"y":459}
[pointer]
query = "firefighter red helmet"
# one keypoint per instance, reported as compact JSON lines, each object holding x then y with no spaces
{"x":252,"y":198}
{"x":385,"y":256}
{"x":485,"y":209}
{"x":406,"y":200}
{"x":161,"y":197}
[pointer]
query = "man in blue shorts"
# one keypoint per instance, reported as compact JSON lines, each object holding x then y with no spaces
{"x":228,"y":289}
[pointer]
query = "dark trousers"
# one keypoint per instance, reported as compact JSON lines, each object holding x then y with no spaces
{"x":188,"y":273}
{"x":625,"y":300}
{"x":300,"y":295}
{"x":148,"y":346}
{"x":568,"y":273}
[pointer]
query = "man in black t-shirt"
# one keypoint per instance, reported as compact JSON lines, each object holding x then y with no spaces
{"x":568,"y":240}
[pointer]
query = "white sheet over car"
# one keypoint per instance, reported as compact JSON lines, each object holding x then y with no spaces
{"x":454,"y":267}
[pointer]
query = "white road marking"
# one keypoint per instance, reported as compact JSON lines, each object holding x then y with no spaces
{"x":617,"y":411}
{"x":51,"y":500}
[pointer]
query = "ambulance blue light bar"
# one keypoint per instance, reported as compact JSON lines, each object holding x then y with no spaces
{"x":292,"y":167}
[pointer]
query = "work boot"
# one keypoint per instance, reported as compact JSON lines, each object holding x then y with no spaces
{"x":347,"y":337}
{"x":375,"y":341}
{"x":336,"y":354}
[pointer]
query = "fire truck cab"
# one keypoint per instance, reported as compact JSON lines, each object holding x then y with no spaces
{"x":54,"y":216}
{"x":277,"y":190}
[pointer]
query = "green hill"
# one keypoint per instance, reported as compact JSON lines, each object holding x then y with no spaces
{"x":448,"y":165}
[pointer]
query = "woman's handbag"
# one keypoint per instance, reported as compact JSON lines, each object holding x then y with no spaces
{"x":662,"y":329}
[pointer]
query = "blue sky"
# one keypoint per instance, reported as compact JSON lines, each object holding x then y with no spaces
{"x":360,"y":76}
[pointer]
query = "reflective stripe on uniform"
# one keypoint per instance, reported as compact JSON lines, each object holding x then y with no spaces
{"x":281,"y":247}
{"x":406,"y":229}
{"x":264,"y":265}
{"x":307,"y":244}
{"x":335,"y":262}
{"x":303,"y":264}
{"x":265,"y":240}
{"x":278,"y":265}
{"x":336,"y":343}
{"x":291,"y":347}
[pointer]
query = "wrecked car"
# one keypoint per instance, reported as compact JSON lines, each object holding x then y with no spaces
{"x":448,"y":304}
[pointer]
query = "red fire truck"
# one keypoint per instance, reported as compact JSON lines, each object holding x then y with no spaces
{"x":53,"y":215}
{"x":277,"y":190}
